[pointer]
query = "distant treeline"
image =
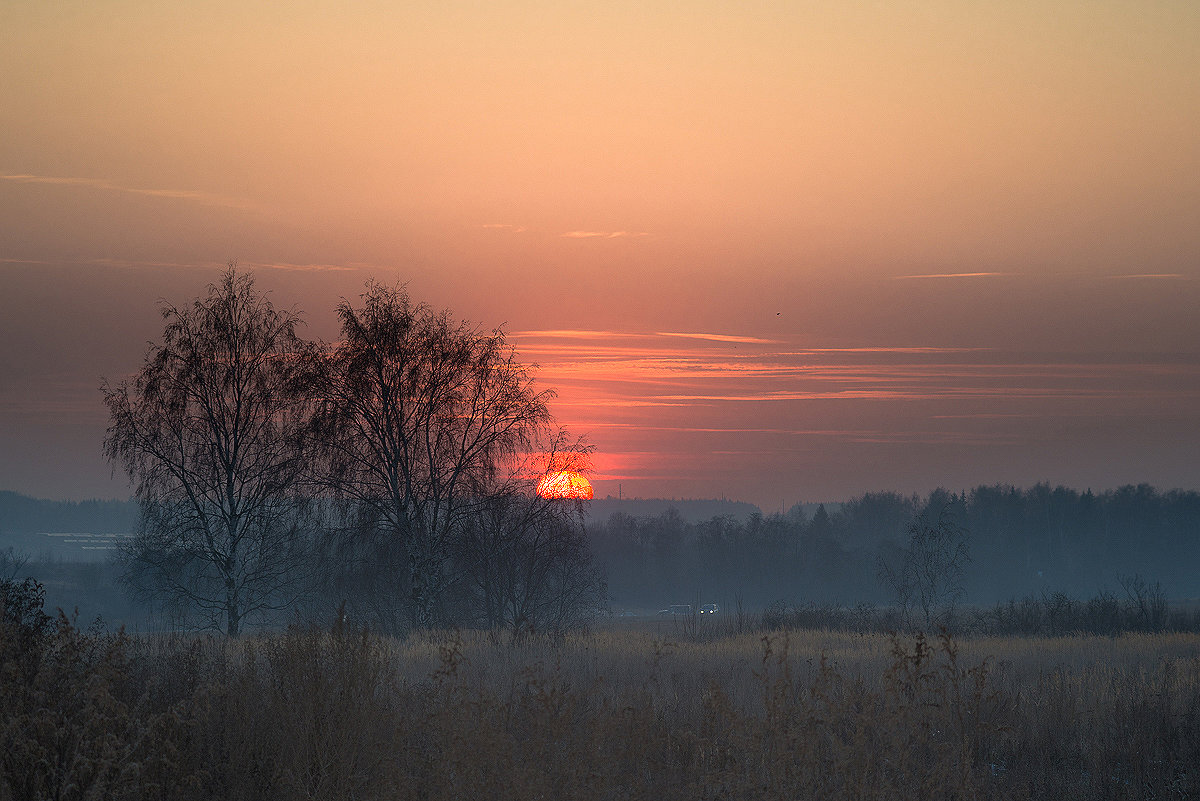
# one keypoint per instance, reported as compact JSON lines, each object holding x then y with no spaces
{"x":23,"y":515}
{"x":692,"y":510}
{"x":1022,"y":542}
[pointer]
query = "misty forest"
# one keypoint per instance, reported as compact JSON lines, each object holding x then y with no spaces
{"x":338,"y":579}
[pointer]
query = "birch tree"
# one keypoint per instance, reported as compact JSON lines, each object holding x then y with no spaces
{"x":419,"y":415}
{"x":928,"y":572}
{"x":208,"y":432}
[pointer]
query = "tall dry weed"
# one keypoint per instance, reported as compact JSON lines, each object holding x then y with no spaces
{"x":341,"y":714}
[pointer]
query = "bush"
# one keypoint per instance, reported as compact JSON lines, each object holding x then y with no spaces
{"x":21,"y":609}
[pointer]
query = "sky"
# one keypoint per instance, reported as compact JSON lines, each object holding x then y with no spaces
{"x":769,"y":251}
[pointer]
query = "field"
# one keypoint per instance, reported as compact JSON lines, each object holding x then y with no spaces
{"x":654,"y":710}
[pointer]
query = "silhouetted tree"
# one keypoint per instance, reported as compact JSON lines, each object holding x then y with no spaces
{"x":527,"y":563}
{"x":927,"y":573}
{"x":420,"y":422}
{"x":208,"y":433}
{"x":821,"y":526}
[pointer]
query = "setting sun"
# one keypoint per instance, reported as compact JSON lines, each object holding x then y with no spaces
{"x":565,"y":484}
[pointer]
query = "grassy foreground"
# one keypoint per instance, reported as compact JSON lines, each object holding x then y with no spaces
{"x":313,"y":714}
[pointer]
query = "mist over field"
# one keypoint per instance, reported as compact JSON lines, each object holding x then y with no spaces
{"x":1022,"y":543}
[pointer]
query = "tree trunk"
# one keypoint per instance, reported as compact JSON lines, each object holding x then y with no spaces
{"x":422,"y":597}
{"x":233,"y":612}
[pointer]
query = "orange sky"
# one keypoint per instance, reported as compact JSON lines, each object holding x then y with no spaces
{"x":1010,"y":186}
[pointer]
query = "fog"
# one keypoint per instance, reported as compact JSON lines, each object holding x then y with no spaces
{"x":1037,"y":542}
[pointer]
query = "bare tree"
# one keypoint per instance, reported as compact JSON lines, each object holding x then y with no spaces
{"x":419,"y":417}
{"x":1147,"y":603}
{"x":526,"y":558}
{"x":927,"y":572}
{"x":208,"y":433}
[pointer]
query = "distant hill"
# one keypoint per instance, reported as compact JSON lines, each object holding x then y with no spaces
{"x":692,"y":510}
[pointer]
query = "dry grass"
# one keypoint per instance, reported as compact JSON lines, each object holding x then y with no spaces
{"x":604,"y":715}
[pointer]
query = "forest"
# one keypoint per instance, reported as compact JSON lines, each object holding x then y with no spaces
{"x":1019,"y":542}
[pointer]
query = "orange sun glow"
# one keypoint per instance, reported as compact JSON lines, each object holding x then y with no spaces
{"x":564,"y":484}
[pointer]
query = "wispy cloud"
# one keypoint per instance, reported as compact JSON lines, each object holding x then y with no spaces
{"x":569,"y":333}
{"x":515,"y":229}
{"x":883,"y":350}
{"x":733,"y":429}
{"x":847,"y":434}
{"x":576,"y":333}
{"x":25,"y":261}
{"x":669,"y":406}
{"x":716,"y":337}
{"x":204,"y":198}
{"x":663,"y":416}
{"x":605,"y":377}
{"x":990,"y":416}
{"x":953,"y":275}
{"x":1118,"y":277}
{"x":614,"y":403}
{"x":1151,"y":277}
{"x":932,"y":394}
{"x":602,"y":234}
